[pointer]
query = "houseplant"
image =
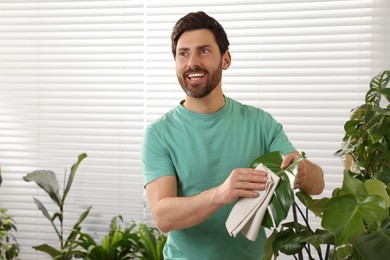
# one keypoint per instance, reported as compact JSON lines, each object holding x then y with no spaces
{"x":133,"y":241}
{"x":9,"y":248}
{"x":47,"y":180}
{"x":355,"y":220}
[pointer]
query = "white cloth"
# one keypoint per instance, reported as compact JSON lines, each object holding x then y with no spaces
{"x":248,"y":213}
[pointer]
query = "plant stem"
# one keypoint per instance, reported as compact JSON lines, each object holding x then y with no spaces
{"x":305,"y":218}
{"x":295,"y":206}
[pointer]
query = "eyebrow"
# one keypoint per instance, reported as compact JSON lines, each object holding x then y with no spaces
{"x":198,"y":48}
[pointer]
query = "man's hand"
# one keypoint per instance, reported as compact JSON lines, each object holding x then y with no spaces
{"x":242,"y":182}
{"x":310,"y":175}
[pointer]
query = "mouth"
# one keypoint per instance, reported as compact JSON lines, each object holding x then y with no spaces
{"x":195,"y":76}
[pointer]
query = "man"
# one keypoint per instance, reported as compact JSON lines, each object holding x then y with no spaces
{"x":195,"y":157}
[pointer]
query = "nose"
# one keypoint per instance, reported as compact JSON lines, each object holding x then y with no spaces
{"x":193,"y":61}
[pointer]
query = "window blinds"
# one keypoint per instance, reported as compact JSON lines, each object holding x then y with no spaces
{"x":88,"y":76}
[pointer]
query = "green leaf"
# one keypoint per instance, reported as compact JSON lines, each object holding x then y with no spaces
{"x":267,"y":220}
{"x":354,"y":186}
{"x":48,"y":250}
{"x":375,"y":245}
{"x":148,"y":239}
{"x":269,"y":252}
{"x":378,"y":128}
{"x":272,"y":160}
{"x":344,"y":252}
{"x":385,"y":92}
{"x":290,"y":242}
{"x":44,"y":211}
{"x":320,"y":237}
{"x":47,"y":180}
{"x":281,"y":202}
{"x":76,"y":226}
{"x":377,"y":83}
{"x":345,"y":217}
{"x":379,"y":188}
{"x":72,"y":174}
{"x":314,"y":205}
{"x":283,"y":196}
{"x":384,"y":175}
{"x":162,"y":239}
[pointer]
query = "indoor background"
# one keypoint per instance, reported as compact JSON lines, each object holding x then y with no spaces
{"x":88,"y":76}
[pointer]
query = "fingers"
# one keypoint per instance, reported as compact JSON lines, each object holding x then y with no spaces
{"x":245,"y":181}
{"x":289,"y":159}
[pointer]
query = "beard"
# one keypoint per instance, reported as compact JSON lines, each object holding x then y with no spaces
{"x":199,"y":91}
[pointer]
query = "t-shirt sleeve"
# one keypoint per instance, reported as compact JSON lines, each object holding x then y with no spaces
{"x":278,"y":138}
{"x":156,"y":160}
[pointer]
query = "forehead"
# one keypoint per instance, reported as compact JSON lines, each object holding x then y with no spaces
{"x":196,"y":38}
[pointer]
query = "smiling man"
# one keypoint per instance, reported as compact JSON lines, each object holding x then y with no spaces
{"x":195,"y":157}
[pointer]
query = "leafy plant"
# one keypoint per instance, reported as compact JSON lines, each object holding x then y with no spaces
{"x":367,"y":134}
{"x":355,"y":220}
{"x":9,"y":248}
{"x":47,"y":180}
{"x":283,"y":197}
{"x":134,"y":241}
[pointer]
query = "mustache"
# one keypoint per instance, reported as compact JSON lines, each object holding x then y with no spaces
{"x":198,"y":70}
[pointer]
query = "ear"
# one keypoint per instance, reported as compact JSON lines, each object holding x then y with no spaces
{"x":226,"y":60}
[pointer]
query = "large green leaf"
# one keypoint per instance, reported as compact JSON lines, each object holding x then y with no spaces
{"x":281,"y":202}
{"x":354,"y":186}
{"x":375,"y":245}
{"x":48,"y":250}
{"x":272,"y":160}
{"x":346,"y":217}
{"x":72,"y":174}
{"x":47,"y":180}
{"x":314,"y":205}
{"x":283,"y":196}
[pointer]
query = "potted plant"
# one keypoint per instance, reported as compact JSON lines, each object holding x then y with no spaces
{"x":355,"y":220}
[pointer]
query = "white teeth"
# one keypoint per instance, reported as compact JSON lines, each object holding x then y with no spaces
{"x":195,"y":75}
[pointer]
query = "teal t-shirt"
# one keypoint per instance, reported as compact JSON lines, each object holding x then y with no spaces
{"x":201,"y":150}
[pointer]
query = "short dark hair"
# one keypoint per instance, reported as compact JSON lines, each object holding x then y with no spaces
{"x":195,"y":21}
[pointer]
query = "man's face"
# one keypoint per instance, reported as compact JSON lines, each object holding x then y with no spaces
{"x":198,"y":63}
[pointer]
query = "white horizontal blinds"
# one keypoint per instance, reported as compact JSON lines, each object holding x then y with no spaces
{"x":88,"y":76}
{"x":71,"y":82}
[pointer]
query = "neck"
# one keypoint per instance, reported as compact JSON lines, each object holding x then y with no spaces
{"x":206,"y":105}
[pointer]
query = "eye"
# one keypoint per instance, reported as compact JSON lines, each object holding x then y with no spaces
{"x":183,"y":54}
{"x":204,"y":51}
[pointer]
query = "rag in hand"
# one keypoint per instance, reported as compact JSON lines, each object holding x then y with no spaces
{"x":248,"y":213}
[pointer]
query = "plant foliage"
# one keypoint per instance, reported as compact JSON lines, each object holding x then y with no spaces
{"x":9,"y":248}
{"x":134,"y":241}
{"x":47,"y":180}
{"x":355,"y":220}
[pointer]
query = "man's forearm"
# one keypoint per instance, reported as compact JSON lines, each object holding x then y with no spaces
{"x":182,"y":212}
